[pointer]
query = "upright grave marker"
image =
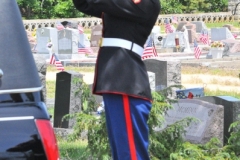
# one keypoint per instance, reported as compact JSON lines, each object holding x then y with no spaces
{"x":68,"y":43}
{"x":96,"y":36}
{"x":231,"y":110}
{"x":66,"y":101}
{"x":200,"y":25}
{"x":183,"y":40}
{"x":44,"y":35}
{"x":167,"y":72}
{"x":191,"y":29}
{"x":209,"y":116}
{"x":222,"y":33}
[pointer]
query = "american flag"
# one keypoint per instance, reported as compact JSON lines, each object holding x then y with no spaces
{"x":174,"y":19}
{"x":204,"y":38}
{"x":54,"y":60}
{"x":149,"y":49}
{"x":84,"y":50}
{"x":59,"y":26}
{"x":197,"y":51}
{"x":80,"y":29}
{"x":168,"y":27}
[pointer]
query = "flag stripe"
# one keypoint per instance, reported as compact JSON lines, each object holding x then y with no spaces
{"x":54,"y":60}
{"x":150,"y":50}
{"x":197,"y":50}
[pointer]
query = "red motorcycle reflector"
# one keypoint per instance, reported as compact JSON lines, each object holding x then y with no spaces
{"x":48,"y":139}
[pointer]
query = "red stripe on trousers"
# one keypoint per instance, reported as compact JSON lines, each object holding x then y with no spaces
{"x":129,"y":128}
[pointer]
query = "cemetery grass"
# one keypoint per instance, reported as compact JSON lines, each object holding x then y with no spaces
{"x":73,"y":150}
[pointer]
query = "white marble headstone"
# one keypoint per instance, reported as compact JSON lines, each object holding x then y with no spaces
{"x":223,"y":33}
{"x":186,"y":40}
{"x":83,"y":40}
{"x":43,"y":36}
{"x":156,"y":32}
{"x":183,"y":40}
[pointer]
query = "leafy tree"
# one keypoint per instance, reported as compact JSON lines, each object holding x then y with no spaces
{"x":27,"y":7}
{"x":66,"y":9}
{"x":217,"y":6}
{"x":190,"y":6}
{"x":171,"y":7}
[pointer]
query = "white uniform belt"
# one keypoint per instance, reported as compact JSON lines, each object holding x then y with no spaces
{"x":117,"y":42}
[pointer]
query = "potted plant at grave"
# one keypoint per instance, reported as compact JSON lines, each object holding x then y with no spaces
{"x":216,"y":49}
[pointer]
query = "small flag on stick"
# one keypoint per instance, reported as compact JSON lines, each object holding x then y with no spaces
{"x":168,"y":27}
{"x":55,"y":61}
{"x":150,"y":49}
{"x":204,"y":38}
{"x":197,"y":50}
{"x":174,"y":19}
{"x":80,"y":29}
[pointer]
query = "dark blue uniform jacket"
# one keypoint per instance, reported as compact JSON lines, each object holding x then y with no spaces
{"x":119,"y":70}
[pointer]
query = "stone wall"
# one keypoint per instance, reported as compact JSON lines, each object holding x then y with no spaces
{"x":88,"y":23}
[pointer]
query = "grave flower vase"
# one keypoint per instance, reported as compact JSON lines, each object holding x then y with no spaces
{"x":217,"y":52}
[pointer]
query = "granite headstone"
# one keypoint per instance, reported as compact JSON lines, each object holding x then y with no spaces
{"x":221,"y":33}
{"x":209,"y":116}
{"x":167,"y":72}
{"x":66,"y":101}
{"x":180,"y":25}
{"x":231,"y":110}
{"x":68,"y":43}
{"x":200,"y":25}
{"x":96,"y":35}
{"x":191,"y":28}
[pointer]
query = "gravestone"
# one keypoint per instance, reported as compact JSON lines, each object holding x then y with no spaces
{"x":230,"y":27}
{"x":187,"y":48}
{"x":191,"y":28}
{"x":180,"y":25}
{"x":221,"y":33}
{"x":156,"y":32}
{"x":66,"y":102}
{"x":83,"y":40}
{"x":210,"y":118}
{"x":183,"y":40}
{"x":200,"y":25}
{"x":231,"y":110}
{"x":96,"y":35}
{"x":167,"y":72}
{"x":43,"y":36}
{"x":67,"y":43}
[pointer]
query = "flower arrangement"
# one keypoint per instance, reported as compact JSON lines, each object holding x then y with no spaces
{"x":217,"y":44}
{"x":49,"y":44}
